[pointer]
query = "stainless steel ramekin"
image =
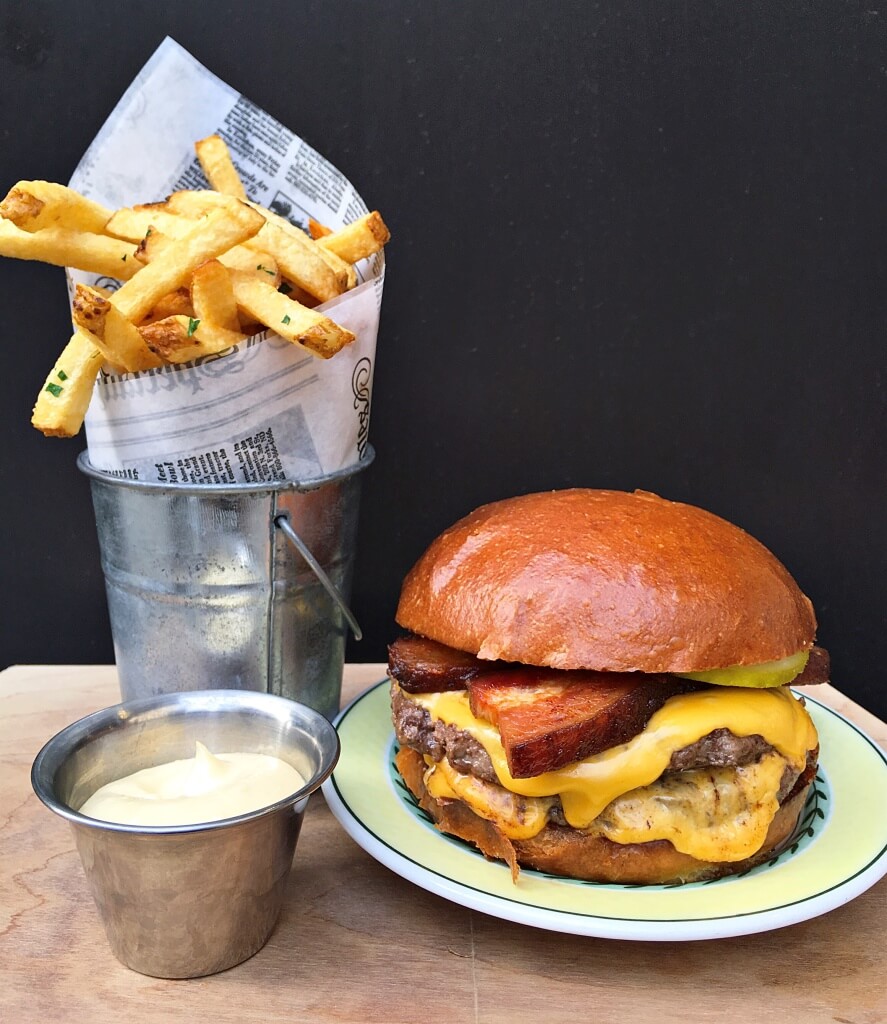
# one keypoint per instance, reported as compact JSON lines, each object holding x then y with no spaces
{"x":187,"y":900}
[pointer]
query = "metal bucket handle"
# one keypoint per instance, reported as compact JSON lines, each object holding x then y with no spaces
{"x":282,"y":522}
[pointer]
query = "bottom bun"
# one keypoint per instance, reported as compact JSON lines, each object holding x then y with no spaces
{"x":559,"y":850}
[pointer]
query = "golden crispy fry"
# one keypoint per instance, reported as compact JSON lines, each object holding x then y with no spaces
{"x":134,"y":222}
{"x":89,"y":308}
{"x":122,"y":336}
{"x":96,"y":254}
{"x":179,"y":339}
{"x":109,"y":330}
{"x":319,"y":272}
{"x":215,"y":159}
{"x":214,"y":234}
{"x":320,"y":335}
{"x":153,"y":244}
{"x":238,"y":257}
{"x":34,"y":205}
{"x":64,"y":398}
{"x":252,"y":261}
{"x":299,"y":260}
{"x":344,"y":271}
{"x":177,"y":303}
{"x":193,"y":203}
{"x":199,"y":270}
{"x":356,"y":241}
{"x":21,"y":207}
{"x":212,"y":296}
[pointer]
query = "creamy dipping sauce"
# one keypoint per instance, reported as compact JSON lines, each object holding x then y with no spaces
{"x":194,"y":790}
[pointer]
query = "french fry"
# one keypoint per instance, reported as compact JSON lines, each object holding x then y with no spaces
{"x":201,"y":271}
{"x":345,"y":273}
{"x":319,"y":272}
{"x":122,"y":336}
{"x":315,"y":332}
{"x":177,"y":303}
{"x":215,"y":159}
{"x":238,"y":257}
{"x":214,"y":234}
{"x":299,"y":260}
{"x":96,"y":254}
{"x":196,"y":202}
{"x":252,"y":261}
{"x":152,"y":245}
{"x":339,"y":267}
{"x":179,"y":339}
{"x":134,"y":222}
{"x":89,"y":308}
{"x":212,"y":296}
{"x":21,"y":207}
{"x":109,"y":330}
{"x":356,"y":241}
{"x":59,"y":207}
{"x":64,"y":397}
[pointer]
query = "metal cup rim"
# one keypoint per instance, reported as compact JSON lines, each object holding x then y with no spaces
{"x":268,"y":486}
{"x":55,"y":751}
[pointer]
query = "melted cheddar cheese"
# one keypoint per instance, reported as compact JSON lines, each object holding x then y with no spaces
{"x":720,"y":814}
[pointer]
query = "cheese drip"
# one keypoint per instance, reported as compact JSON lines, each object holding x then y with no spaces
{"x":721,"y":814}
{"x":519,"y":817}
{"x":718,"y":814}
{"x":587,"y":787}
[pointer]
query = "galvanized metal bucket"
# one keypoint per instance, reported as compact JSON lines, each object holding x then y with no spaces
{"x":229,"y":586}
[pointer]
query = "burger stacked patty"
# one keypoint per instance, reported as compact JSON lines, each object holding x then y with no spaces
{"x":418,"y":665}
{"x":415,"y":728}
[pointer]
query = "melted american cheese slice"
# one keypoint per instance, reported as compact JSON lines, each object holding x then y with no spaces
{"x":717,"y":814}
{"x":519,"y":817}
{"x":700,"y":826}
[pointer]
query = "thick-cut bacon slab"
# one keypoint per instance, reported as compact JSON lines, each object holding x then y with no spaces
{"x":548,"y":719}
{"x":425,"y":666}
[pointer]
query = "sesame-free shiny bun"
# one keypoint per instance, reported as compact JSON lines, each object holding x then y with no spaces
{"x":605,"y":580}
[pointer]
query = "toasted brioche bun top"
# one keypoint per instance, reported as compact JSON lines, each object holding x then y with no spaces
{"x":605,"y":580}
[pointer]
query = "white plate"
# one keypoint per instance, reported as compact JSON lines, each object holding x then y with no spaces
{"x":838,"y":851}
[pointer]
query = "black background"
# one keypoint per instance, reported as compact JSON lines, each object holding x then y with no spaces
{"x":635,"y":245}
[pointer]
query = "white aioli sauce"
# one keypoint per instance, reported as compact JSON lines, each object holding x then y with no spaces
{"x":195,"y":790}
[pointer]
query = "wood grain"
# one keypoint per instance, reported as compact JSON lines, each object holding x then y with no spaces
{"x":357,"y":943}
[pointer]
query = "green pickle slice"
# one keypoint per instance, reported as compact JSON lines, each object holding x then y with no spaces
{"x":768,"y":673}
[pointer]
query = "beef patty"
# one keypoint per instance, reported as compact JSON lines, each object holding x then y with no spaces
{"x":414,"y":727}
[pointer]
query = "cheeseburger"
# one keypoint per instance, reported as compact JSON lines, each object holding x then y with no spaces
{"x":594,"y":685}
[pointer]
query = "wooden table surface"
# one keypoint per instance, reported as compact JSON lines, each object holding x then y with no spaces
{"x":358,"y":943}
